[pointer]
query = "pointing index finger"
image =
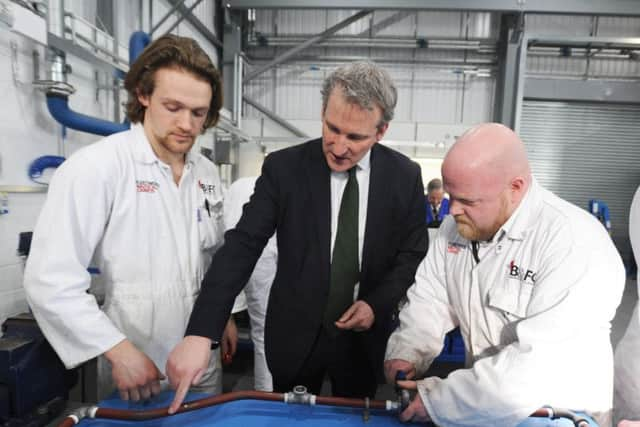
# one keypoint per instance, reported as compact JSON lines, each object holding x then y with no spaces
{"x":181,"y":393}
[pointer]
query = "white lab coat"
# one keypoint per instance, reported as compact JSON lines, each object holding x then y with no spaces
{"x":256,"y":292}
{"x":151,"y":239}
{"x":534,"y":314}
{"x":627,"y":356}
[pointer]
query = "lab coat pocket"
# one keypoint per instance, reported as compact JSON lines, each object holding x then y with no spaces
{"x":511,"y":297}
{"x":210,"y":224}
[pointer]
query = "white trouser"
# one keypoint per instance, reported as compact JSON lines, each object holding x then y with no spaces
{"x":257,"y":295}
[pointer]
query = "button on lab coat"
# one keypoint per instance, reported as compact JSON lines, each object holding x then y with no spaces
{"x":534,"y":314}
{"x":151,"y":239}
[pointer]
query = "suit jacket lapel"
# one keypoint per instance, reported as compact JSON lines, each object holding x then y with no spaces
{"x":320,"y":189}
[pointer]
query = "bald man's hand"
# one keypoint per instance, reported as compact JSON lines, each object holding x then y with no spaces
{"x":416,"y":411}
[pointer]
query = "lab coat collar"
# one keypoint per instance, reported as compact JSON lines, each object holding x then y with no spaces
{"x":525,"y":214}
{"x":142,"y":150}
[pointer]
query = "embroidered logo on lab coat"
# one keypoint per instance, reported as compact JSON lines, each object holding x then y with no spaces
{"x":147,"y":186}
{"x":454,"y":247}
{"x":206,"y":188}
{"x":522,"y":274}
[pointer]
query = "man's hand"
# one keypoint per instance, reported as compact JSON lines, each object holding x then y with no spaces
{"x":392,"y":366}
{"x":187,"y":362}
{"x":134,"y":374}
{"x":415,"y":412}
{"x":625,"y":423}
{"x":359,"y":317}
{"x":229,"y":342}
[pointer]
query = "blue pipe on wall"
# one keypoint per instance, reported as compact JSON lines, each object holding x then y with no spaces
{"x":137,"y":42}
{"x":59,"y":108}
{"x":59,"y":104}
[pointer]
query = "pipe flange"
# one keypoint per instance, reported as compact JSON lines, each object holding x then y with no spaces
{"x":54,"y":87}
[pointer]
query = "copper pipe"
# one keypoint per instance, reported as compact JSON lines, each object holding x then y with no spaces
{"x":124,"y":414}
{"x":132,"y":415}
{"x":351,"y":402}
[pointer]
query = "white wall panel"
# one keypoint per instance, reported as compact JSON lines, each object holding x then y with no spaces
{"x":439,"y":24}
{"x":478,"y":100}
{"x":400,"y":131}
{"x":128,"y":19}
{"x":567,"y":25}
{"x":261,"y":89}
{"x":264,"y":22}
{"x":558,"y":66}
{"x":618,"y":26}
{"x":437,"y":97}
{"x":405,"y":27}
{"x":335,"y":16}
{"x":298,"y":93}
{"x":483,"y":25}
{"x":296,"y":22}
{"x":615,"y":68}
{"x":403,"y":79}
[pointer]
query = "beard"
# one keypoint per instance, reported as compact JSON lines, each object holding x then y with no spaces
{"x":170,"y":143}
{"x":472,"y":232}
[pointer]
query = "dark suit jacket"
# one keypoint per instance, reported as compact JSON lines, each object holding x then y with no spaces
{"x":293,"y":195}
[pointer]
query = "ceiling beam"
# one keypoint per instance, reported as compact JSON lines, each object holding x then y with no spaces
{"x":581,"y":7}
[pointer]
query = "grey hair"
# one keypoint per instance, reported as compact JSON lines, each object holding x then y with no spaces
{"x":434,"y":184}
{"x":364,"y":84}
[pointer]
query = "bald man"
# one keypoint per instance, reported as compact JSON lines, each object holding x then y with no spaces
{"x":531,"y":280}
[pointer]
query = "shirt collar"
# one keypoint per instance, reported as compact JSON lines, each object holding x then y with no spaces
{"x":364,"y":164}
{"x":521,"y":219}
{"x":365,"y":161}
{"x":142,"y":150}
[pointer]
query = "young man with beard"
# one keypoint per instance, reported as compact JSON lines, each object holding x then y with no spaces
{"x":148,"y":209}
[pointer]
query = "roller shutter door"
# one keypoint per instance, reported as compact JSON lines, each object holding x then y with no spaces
{"x":584,"y":151}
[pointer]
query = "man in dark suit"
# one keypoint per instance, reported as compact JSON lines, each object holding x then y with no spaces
{"x":437,"y":204}
{"x":349,"y":215}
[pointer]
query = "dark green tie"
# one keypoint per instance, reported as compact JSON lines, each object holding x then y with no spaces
{"x":345,"y":269}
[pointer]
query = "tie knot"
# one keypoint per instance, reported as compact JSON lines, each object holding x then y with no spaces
{"x":352,"y":172}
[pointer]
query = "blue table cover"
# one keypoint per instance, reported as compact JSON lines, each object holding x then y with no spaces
{"x":254,"y":413}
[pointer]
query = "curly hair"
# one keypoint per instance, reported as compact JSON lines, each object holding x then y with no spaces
{"x":171,"y":51}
